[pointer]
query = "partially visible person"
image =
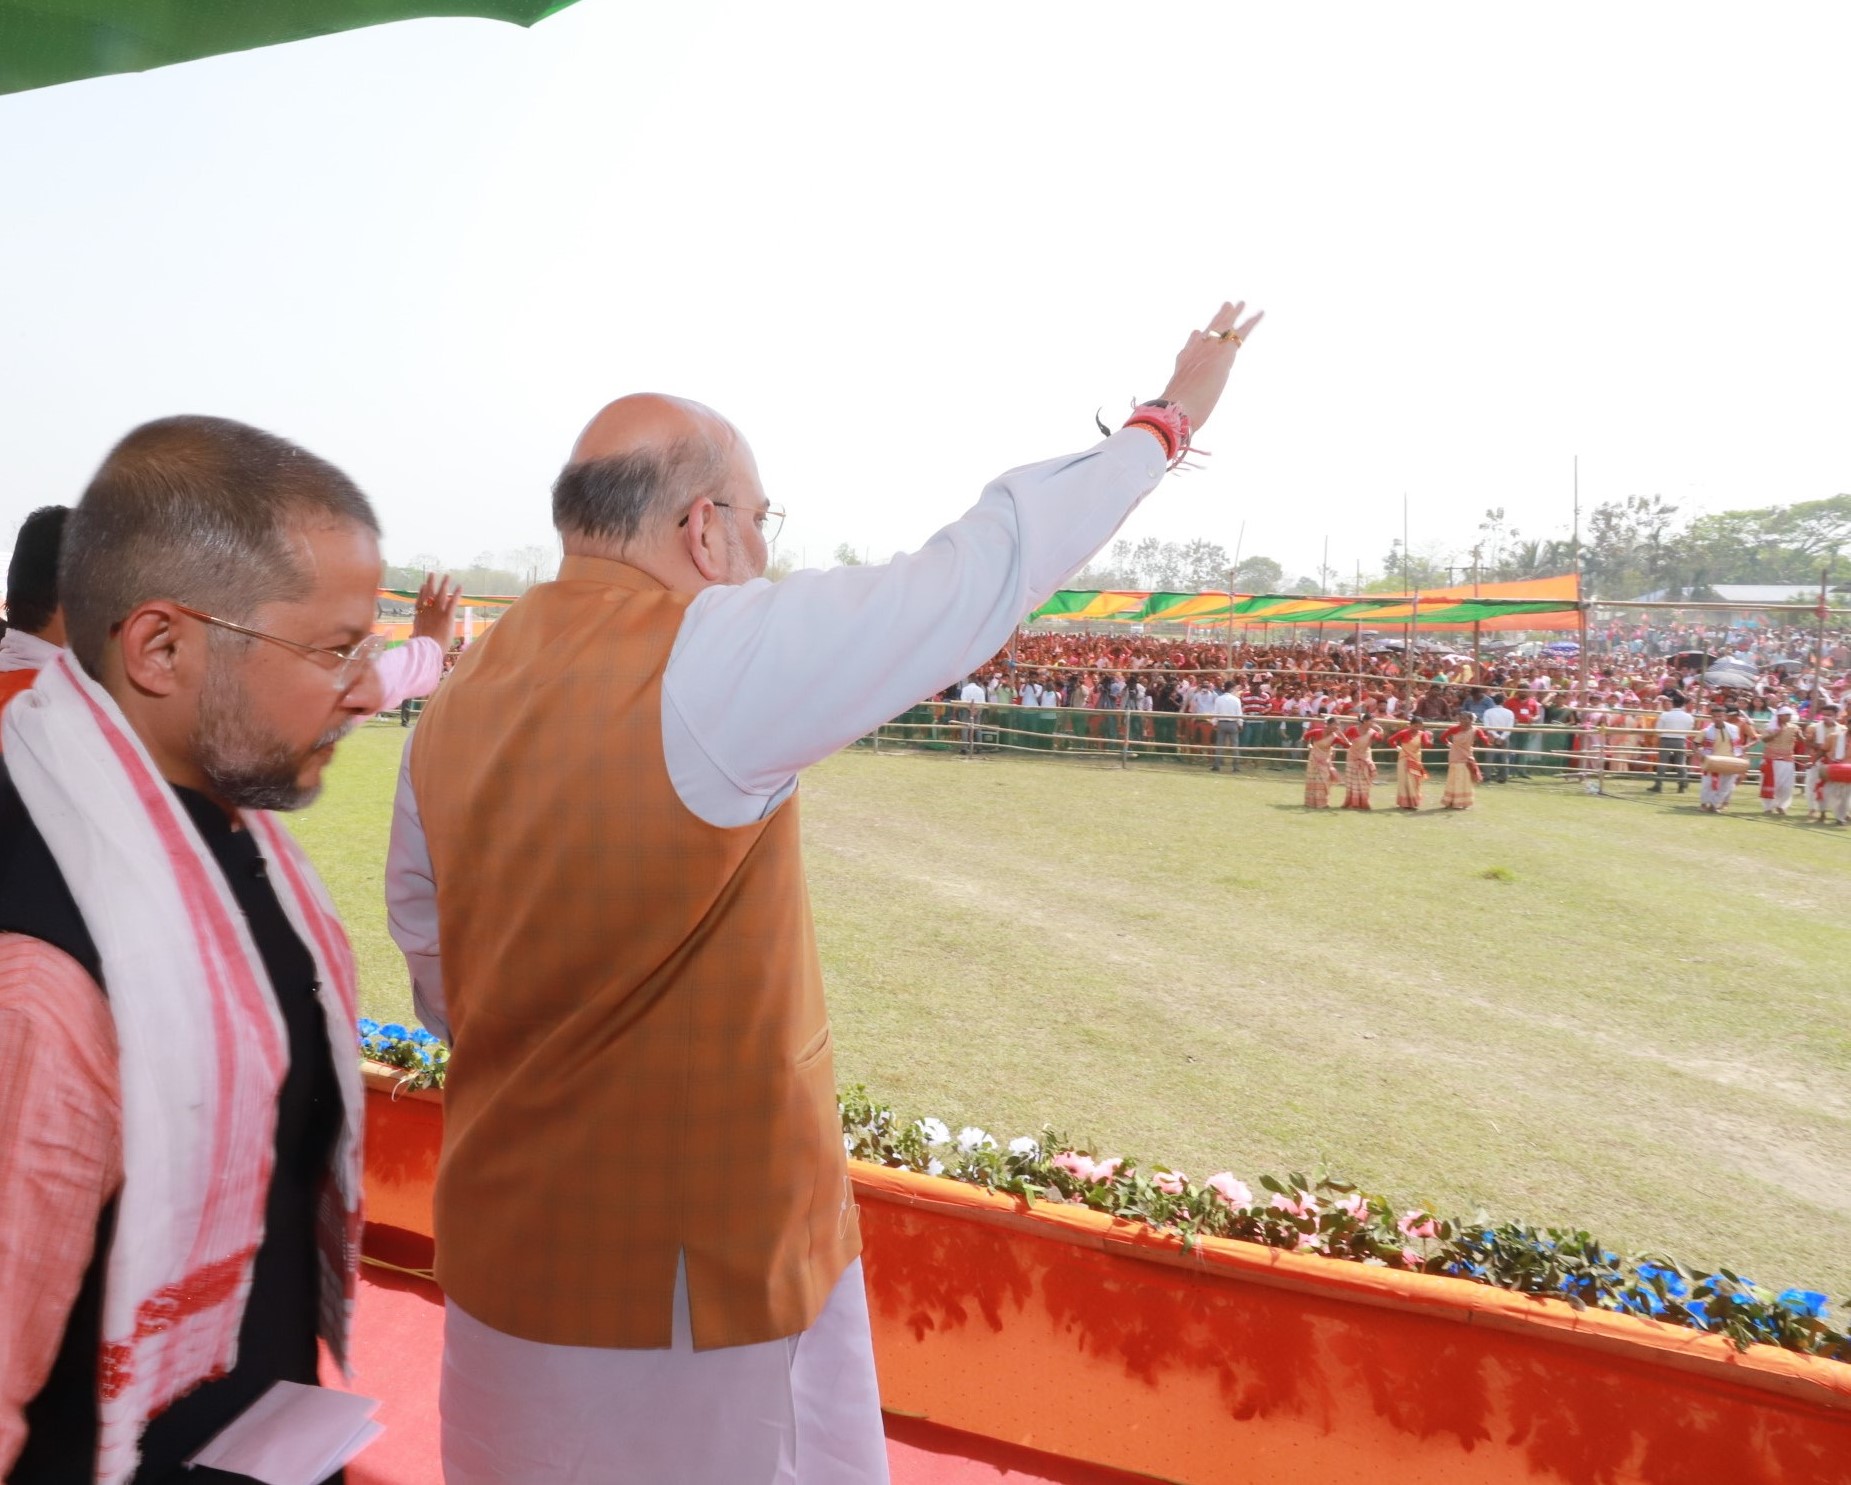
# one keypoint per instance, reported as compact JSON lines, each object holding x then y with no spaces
{"x":34,"y":617}
{"x":1410,"y":772}
{"x":1720,"y":739}
{"x":414,"y":668}
{"x":1497,"y":721}
{"x":1462,"y":740}
{"x":1526,"y":743}
{"x":970,"y":714}
{"x":1321,"y":739}
{"x":1672,"y":735}
{"x":1359,"y":741}
{"x":1229,"y":712}
{"x":180,"y":1182}
{"x":1777,"y":767}
{"x":1826,"y":742}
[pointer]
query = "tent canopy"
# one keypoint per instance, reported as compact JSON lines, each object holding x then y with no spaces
{"x":1537,"y":603}
{"x":43,"y":42}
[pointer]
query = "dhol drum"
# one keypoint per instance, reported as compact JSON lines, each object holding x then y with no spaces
{"x":1727,"y":763}
{"x":1838,"y":773}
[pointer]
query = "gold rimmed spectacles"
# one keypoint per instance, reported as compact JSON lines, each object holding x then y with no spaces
{"x":350,"y":663}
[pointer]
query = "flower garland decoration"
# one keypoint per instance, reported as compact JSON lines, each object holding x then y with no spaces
{"x":1322,"y":1216}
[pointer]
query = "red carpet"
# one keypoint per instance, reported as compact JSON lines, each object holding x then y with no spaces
{"x":398,"y":1345}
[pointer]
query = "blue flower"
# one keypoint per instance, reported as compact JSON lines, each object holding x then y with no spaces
{"x":1675,"y":1287}
{"x":1807,"y":1302}
{"x":421,"y":1036}
{"x":367,"y":1026}
{"x":393,"y":1030}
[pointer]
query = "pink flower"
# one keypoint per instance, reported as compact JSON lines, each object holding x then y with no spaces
{"x":1231,"y":1191}
{"x":1417,"y":1225}
{"x":1171,"y":1182}
{"x":1413,"y":1257}
{"x":1352,"y":1206}
{"x":1084,"y":1168}
{"x":1295,"y":1204}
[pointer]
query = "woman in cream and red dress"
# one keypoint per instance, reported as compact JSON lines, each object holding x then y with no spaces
{"x":1462,"y":740}
{"x":1410,"y":772}
{"x":1359,"y":762}
{"x":1321,"y":739}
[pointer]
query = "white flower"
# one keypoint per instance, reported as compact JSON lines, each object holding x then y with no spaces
{"x":1023,"y":1145}
{"x":935,"y":1131}
{"x":935,"y":1167}
{"x":971,"y":1138}
{"x":848,"y":1143}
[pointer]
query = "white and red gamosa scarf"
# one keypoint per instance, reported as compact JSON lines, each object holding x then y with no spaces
{"x":202,"y":1051}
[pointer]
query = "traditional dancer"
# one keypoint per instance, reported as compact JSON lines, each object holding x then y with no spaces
{"x":650,"y":1252}
{"x":1410,"y":772}
{"x":1831,"y":744}
{"x":180,"y":1177}
{"x":1720,"y":738}
{"x":1462,"y":772}
{"x":1818,"y":737}
{"x":1321,"y":740}
{"x":1777,"y":768}
{"x":1359,"y":761}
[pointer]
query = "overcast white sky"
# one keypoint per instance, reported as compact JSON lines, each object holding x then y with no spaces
{"x":905,"y":247}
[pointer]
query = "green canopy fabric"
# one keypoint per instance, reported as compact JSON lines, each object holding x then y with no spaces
{"x":1438,"y":610}
{"x":43,"y":42}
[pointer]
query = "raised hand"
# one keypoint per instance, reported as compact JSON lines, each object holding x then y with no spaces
{"x":436,"y":612}
{"x":1203,"y":364}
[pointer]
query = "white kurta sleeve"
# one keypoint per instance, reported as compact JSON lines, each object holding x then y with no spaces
{"x":767,"y":678}
{"x":411,"y":905}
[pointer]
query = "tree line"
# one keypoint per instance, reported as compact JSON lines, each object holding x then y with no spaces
{"x":1630,"y":547}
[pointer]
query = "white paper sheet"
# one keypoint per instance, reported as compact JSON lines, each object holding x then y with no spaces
{"x":294,"y":1435}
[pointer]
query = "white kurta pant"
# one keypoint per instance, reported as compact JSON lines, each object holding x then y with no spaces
{"x":1718,"y":789}
{"x":800,"y":1411}
{"x":1838,"y":802}
{"x":1783,"y":784}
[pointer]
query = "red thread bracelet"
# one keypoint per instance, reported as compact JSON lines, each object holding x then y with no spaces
{"x":1169,"y":423}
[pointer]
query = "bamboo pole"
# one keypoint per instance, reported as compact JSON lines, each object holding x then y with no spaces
{"x":1818,"y":664}
{"x":1239,"y":541}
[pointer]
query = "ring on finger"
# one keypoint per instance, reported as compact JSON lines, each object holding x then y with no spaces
{"x":1233,"y":335}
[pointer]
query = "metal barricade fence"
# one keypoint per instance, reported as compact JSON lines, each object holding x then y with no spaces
{"x":1538,"y":752}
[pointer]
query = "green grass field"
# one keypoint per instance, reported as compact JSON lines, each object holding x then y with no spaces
{"x":1612,"y":1013}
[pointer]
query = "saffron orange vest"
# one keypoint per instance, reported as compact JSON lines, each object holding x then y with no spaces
{"x":641,"y":1062}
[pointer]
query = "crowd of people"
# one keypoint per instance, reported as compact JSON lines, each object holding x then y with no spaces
{"x":1534,"y":712}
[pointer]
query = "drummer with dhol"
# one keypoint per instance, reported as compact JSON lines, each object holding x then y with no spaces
{"x":1724,"y":758}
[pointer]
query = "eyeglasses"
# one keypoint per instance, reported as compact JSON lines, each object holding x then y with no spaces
{"x":351,"y":663}
{"x":770,"y":520}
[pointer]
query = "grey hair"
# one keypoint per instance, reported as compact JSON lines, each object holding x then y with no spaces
{"x":200,"y":511}
{"x":616,"y":498}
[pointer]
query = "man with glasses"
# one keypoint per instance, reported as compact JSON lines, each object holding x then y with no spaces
{"x":645,"y":1230}
{"x":179,"y":1189}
